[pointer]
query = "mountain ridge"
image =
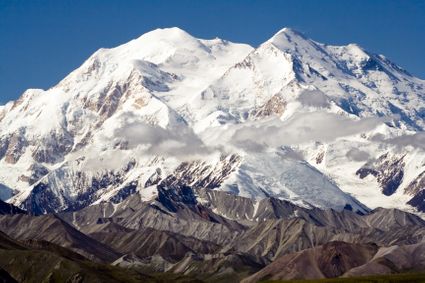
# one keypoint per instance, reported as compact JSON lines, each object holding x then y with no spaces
{"x":165,"y":106}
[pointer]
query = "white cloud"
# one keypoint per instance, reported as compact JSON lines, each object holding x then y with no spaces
{"x":357,"y":155}
{"x":416,"y":140}
{"x":178,"y":141}
{"x":314,"y":98}
{"x":302,"y":128}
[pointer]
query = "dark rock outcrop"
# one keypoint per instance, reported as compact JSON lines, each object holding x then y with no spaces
{"x":388,"y":170}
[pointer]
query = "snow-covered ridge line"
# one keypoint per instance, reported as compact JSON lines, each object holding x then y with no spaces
{"x":329,"y":126}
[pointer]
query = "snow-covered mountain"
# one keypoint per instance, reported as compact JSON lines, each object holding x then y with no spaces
{"x":321,"y":126}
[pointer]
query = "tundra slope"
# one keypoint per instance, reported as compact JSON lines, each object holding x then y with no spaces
{"x":213,"y":235}
{"x":317,"y":125}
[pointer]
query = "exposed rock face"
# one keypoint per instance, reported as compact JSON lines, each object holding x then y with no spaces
{"x":51,"y":193}
{"x":340,"y":259}
{"x":155,"y":178}
{"x":6,"y":208}
{"x":185,"y":101}
{"x":418,"y":201}
{"x":274,"y":106}
{"x":417,"y":185}
{"x":266,"y":230}
{"x":319,"y":157}
{"x":388,"y":170}
{"x":52,"y":229}
{"x":394,"y":259}
{"x":229,"y":266}
{"x":416,"y":188}
{"x":206,"y":233}
{"x":147,"y":242}
{"x":331,"y":260}
{"x":53,"y":148}
{"x":125,"y":192}
{"x":38,"y":171}
{"x":201,"y":175}
{"x":13,"y":147}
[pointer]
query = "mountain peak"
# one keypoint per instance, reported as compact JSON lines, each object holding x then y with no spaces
{"x":288,"y":32}
{"x":171,"y":31}
{"x":173,"y":34}
{"x":134,"y":100}
{"x":288,"y":38}
{"x":157,"y":46}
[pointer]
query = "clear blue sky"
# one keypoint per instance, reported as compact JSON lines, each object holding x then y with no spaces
{"x":41,"y":41}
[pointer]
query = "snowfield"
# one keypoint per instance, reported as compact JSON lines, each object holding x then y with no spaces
{"x":318,"y":125}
